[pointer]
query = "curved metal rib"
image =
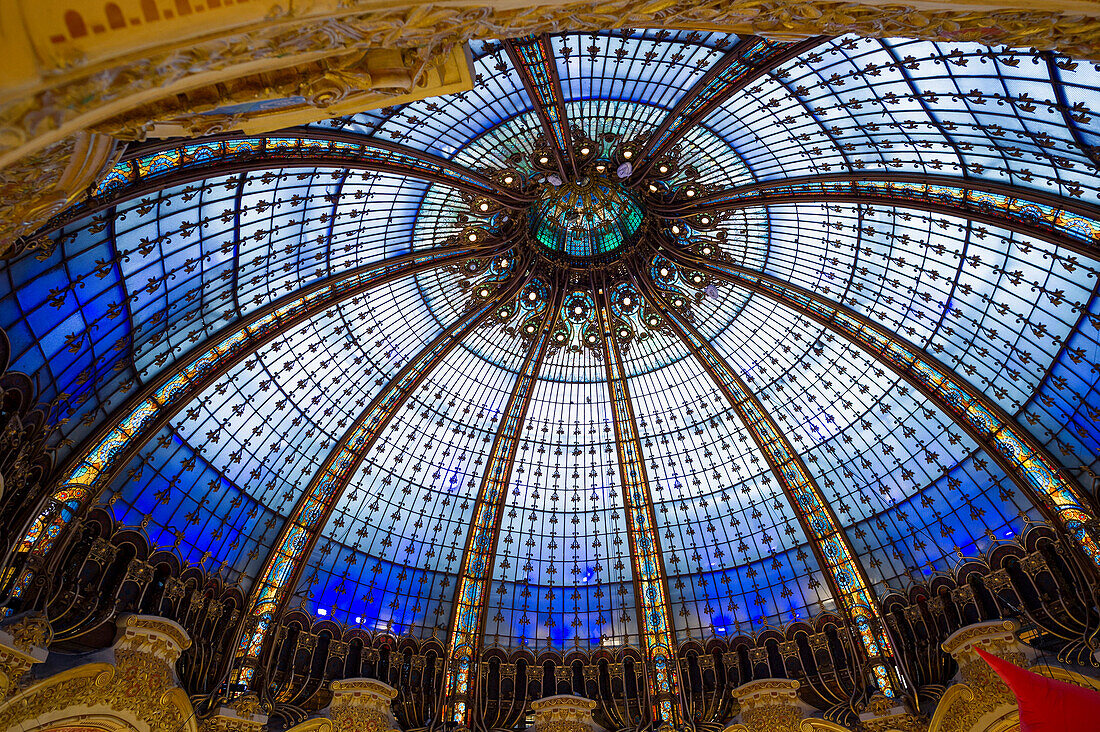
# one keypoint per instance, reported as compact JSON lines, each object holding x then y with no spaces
{"x":646,"y":558}
{"x":135,"y":422}
{"x":151,"y":168}
{"x":1054,"y":71}
{"x":743,"y":64}
{"x":838,"y":560}
{"x":469,"y":610}
{"x":299,"y":534}
{"x":533,"y":59}
{"x":1057,"y":495}
{"x":1071,"y":224}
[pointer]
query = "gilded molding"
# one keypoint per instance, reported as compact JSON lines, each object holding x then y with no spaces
{"x":64,"y":78}
{"x":362,"y":705}
{"x":139,"y":686}
{"x":45,"y":183}
{"x":328,"y":87}
{"x":564,"y":713}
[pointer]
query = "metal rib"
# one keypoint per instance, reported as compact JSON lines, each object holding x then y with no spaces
{"x":838,"y":560}
{"x":469,"y":608}
{"x":284,"y":565}
{"x":646,"y":558}
{"x":1051,"y":489}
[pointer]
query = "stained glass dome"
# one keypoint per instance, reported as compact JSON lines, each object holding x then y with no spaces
{"x":589,"y":217}
{"x":649,"y":338}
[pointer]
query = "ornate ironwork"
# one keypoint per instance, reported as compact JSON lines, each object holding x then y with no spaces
{"x":1070,"y":224}
{"x":651,"y":590}
{"x":533,"y":58}
{"x":150,"y":168}
{"x":835,"y":555}
{"x":1049,"y":486}
{"x":299,"y":534}
{"x":746,"y":62}
{"x":471,"y":592}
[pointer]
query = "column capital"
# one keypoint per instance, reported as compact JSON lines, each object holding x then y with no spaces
{"x":243,"y":714}
{"x":21,"y":647}
{"x":362,"y":705}
{"x":564,"y":713}
{"x":770,"y":705}
{"x":997,"y":637}
{"x":980,"y":699}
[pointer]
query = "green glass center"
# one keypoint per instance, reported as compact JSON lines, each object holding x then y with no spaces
{"x":587,"y":218}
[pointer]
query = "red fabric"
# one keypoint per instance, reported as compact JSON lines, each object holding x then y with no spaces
{"x":1048,"y":705}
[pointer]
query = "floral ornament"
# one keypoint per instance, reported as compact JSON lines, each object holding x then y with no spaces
{"x":481,"y":272}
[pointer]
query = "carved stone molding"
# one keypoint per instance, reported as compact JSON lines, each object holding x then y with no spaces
{"x":301,"y":94}
{"x":565,"y":713}
{"x":362,"y":705}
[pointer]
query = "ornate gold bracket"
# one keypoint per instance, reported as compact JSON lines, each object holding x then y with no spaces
{"x":21,"y":647}
{"x":980,"y":701}
{"x":243,"y":715}
{"x":135,"y":684}
{"x":565,"y":713}
{"x":362,"y":705}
